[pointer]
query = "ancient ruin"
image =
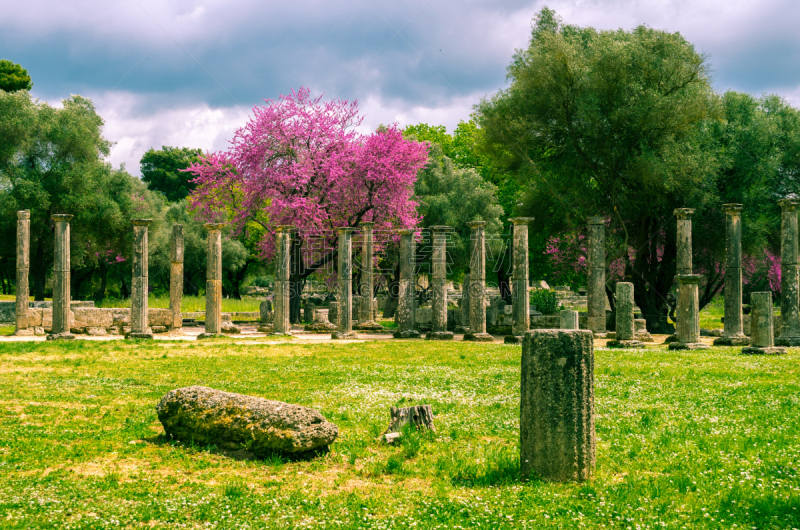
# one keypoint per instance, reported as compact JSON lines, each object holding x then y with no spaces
{"x":519,"y":281}
{"x":761,"y":326}
{"x":344,"y":327}
{"x":596,"y":283}
{"x":21,"y":324}
{"x":61,"y":280}
{"x":477,"y":285}
{"x":407,"y":291}
{"x":688,"y":314}
{"x":790,"y":276}
{"x":734,"y":330}
{"x":140,"y":328}
{"x":439,"y":274}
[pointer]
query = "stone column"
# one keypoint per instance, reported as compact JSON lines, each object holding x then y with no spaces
{"x":477,"y":288}
{"x":22,"y":326}
{"x":366,"y":317}
{"x":283,"y":245}
{"x":734,"y":330}
{"x":520,"y":305}
{"x":557,"y":436}
{"x":344,"y":329}
{"x":176,"y":276}
{"x":140,"y":328}
{"x":61,"y":280}
{"x":596,"y":289}
{"x":625,"y":336}
{"x":569,"y":319}
{"x":761,"y":326}
{"x":684,"y":246}
{"x":790,"y":276}
{"x":688,"y":314}
{"x":439,"y":274}
{"x":213,"y":281}
{"x":407,"y":291}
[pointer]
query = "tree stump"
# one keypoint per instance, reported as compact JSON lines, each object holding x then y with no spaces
{"x":420,"y":416}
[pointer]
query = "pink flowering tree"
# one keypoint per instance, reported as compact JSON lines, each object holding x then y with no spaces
{"x":300,"y":161}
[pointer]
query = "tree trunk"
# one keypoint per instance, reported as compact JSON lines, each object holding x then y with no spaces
{"x":39,"y":274}
{"x":296,"y":286}
{"x":100,"y":294}
{"x":393,"y":297}
{"x":420,"y":416}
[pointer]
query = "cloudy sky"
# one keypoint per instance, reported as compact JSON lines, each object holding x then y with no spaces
{"x":187,"y":72}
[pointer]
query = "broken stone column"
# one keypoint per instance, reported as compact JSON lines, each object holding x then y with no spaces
{"x":176,"y":275}
{"x":439,"y":274}
{"x":625,"y":336}
{"x":761,"y":329}
{"x":734,"y":330}
{"x":213,"y":281}
{"x":684,"y":247}
{"x":61,"y":280}
{"x":688,"y":314}
{"x":366,"y":317}
{"x":557,"y":435}
{"x":569,"y":319}
{"x":477,"y":287}
{"x":344,"y":329}
{"x":790,"y":276}
{"x":596,"y":288}
{"x":406,"y":303}
{"x":283,"y":244}
{"x":140,"y":328}
{"x":22,"y":326}
{"x":520,"y":304}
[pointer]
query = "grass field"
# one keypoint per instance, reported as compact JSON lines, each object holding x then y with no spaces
{"x":704,"y":439}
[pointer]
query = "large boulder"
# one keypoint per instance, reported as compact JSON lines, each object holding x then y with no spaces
{"x":235,"y":421}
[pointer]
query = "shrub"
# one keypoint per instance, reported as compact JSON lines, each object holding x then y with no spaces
{"x":545,"y":301}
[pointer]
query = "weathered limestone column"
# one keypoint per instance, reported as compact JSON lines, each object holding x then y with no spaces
{"x":569,"y":319}
{"x":213,"y":281}
{"x":790,"y":276}
{"x":344,"y":329}
{"x":734,"y":330}
{"x":520,"y":304}
{"x":477,"y":288}
{"x":140,"y":328}
{"x":61,"y":280}
{"x":406,"y":303}
{"x":557,"y":436}
{"x":176,"y":275}
{"x":596,"y":289}
{"x":684,"y":246}
{"x":23,"y":266}
{"x":688,"y":314}
{"x":439,"y":274}
{"x":283,"y":244}
{"x":366,"y":317}
{"x":625,"y":336}
{"x":761,"y":326}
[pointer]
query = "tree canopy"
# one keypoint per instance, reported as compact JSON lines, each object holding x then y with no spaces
{"x":162,"y":170}
{"x":13,"y":77}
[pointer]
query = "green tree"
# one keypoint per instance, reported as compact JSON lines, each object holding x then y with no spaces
{"x":162,"y":171}
{"x":608,"y":123}
{"x":13,"y":77}
{"x":53,"y":164}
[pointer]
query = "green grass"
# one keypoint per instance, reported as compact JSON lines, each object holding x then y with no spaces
{"x":694,"y":440}
{"x":711,"y":315}
{"x":189,"y":304}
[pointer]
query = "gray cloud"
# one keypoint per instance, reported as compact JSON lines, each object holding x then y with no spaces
{"x":420,"y":60}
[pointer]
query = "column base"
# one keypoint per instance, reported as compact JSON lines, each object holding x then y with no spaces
{"x":210,"y":336}
{"x":478,"y":337}
{"x":343,"y":335}
{"x":688,"y":346}
{"x":670,"y":339}
{"x":319,"y":327}
{"x":369,"y":326}
{"x":626,"y":344}
{"x":407,"y":334}
{"x":791,"y":341}
{"x":133,"y":335}
{"x":440,"y":335}
{"x":753,"y":350}
{"x":734,"y":340}
{"x":60,"y":336}
{"x":266,"y":328}
{"x":25,"y":332}
{"x":513,"y":339}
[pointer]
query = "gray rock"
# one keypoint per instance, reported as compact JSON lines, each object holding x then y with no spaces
{"x":235,"y":421}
